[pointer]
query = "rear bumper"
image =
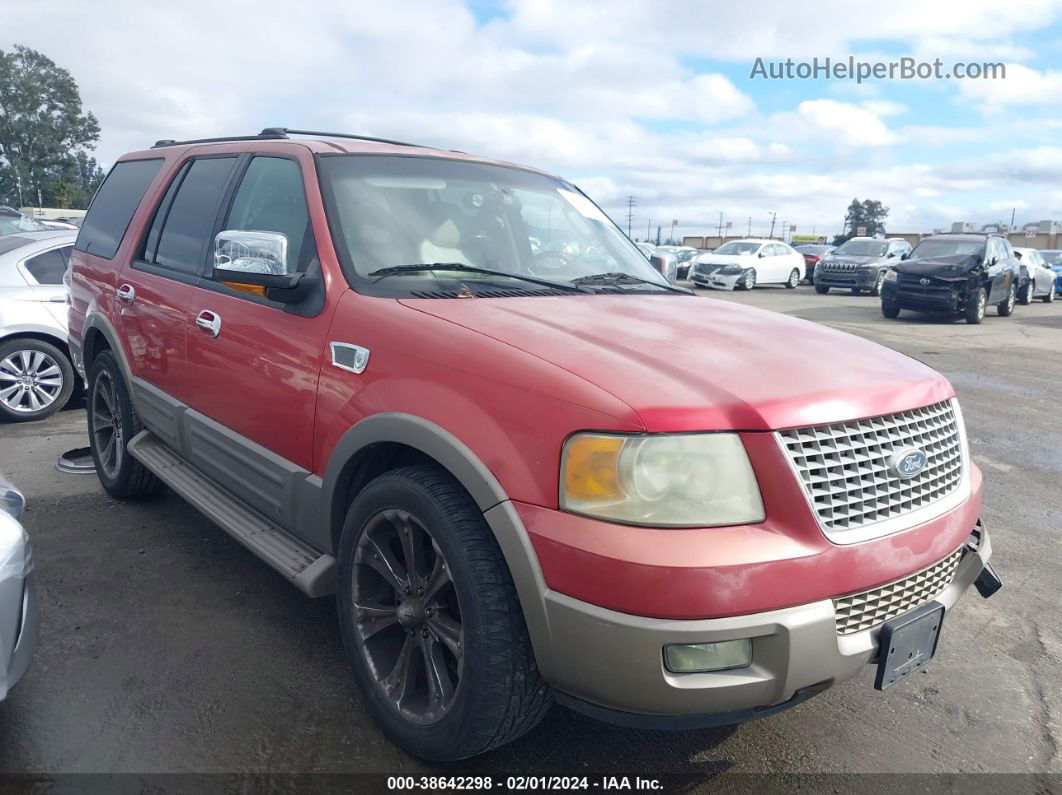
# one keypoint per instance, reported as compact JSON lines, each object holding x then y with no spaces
{"x":610,"y":664}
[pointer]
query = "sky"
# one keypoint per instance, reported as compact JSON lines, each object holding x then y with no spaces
{"x":650,"y":99}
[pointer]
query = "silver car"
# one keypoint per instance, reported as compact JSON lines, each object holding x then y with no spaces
{"x":18,"y":594}
{"x":36,"y":376}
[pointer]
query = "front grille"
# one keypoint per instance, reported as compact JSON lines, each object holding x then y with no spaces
{"x":840,"y":267}
{"x":872,"y":608}
{"x":844,"y":467}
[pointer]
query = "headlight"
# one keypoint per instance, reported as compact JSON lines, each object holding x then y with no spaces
{"x":891,"y":276}
{"x":11,"y":500}
{"x":680,"y":480}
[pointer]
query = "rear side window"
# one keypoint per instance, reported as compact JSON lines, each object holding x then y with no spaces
{"x":184,"y":222}
{"x":113,"y":206}
{"x":49,"y":267}
{"x":271,"y":199}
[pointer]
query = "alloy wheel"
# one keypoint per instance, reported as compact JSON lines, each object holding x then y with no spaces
{"x":981,"y":304}
{"x":794,"y":279}
{"x":106,"y":424}
{"x":407,"y":618}
{"x":750,"y":280}
{"x":29,"y":381}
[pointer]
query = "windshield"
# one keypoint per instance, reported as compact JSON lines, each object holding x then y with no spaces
{"x":737,"y":248}
{"x":1052,"y":257}
{"x":11,"y":224}
{"x":947,"y":248}
{"x":389,"y":211}
{"x":862,"y":248}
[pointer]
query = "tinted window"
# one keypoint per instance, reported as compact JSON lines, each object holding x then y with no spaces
{"x":113,"y":206}
{"x":188,"y":222}
{"x":48,"y":268}
{"x":271,"y":199}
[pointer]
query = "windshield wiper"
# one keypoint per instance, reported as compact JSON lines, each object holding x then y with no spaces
{"x":618,"y":277}
{"x":397,"y":270}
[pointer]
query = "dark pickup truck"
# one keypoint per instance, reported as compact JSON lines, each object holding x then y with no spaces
{"x":954,"y":274}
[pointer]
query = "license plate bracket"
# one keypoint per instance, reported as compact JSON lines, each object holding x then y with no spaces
{"x":908,"y":643}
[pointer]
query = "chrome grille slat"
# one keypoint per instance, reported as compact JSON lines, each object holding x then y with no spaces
{"x":843,"y":467}
{"x":872,"y":608}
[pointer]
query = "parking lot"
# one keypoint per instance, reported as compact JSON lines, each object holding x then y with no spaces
{"x":167,"y":647}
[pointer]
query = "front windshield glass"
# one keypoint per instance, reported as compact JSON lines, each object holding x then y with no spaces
{"x":862,"y":248}
{"x":11,"y":224}
{"x":736,"y":248}
{"x":1052,"y":258}
{"x":947,"y":248}
{"x":391,"y":211}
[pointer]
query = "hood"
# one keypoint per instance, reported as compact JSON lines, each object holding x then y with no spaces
{"x":846,"y":258}
{"x":953,"y":266}
{"x":687,"y":364}
{"x":724,"y":259}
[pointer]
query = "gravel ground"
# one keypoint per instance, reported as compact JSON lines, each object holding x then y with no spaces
{"x":167,"y":648}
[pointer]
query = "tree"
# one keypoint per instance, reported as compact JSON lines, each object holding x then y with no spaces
{"x":868,"y":213}
{"x":45,"y":136}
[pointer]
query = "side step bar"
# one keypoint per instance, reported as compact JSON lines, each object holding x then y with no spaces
{"x":309,"y":570}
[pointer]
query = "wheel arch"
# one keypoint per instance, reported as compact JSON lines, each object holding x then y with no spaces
{"x":387,"y":440}
{"x":40,"y":336}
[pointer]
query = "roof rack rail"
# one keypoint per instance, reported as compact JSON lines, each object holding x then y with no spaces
{"x":269,"y":134}
{"x":284,"y":132}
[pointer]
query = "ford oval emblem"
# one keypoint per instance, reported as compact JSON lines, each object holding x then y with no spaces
{"x":907,"y":463}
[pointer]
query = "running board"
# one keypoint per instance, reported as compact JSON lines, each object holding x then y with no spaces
{"x":308,"y":570}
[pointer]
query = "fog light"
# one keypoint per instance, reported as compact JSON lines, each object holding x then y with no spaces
{"x":688,"y":658}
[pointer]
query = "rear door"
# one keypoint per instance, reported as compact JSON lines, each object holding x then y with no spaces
{"x":155,"y":291}
{"x":257,"y":376}
{"x":43,"y":273}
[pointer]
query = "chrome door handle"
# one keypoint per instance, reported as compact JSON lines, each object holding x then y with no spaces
{"x":210,"y":322}
{"x":126,"y":294}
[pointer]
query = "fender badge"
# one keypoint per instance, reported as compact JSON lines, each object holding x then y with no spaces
{"x":349,"y":357}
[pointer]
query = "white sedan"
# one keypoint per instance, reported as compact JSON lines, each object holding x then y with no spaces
{"x":18,"y":601}
{"x":742,"y":264}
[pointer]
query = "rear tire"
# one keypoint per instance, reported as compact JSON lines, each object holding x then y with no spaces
{"x":794,"y":280}
{"x":419,"y":518}
{"x":975,"y":307}
{"x":1026,"y":296}
{"x":1047,"y":299}
{"x":33,"y":371}
{"x":112,"y":422}
{"x":821,"y":289}
{"x":1005,"y":308}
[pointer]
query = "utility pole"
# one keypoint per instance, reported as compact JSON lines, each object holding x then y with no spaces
{"x":720,"y":226}
{"x":648,"y":228}
{"x":773,"y":216}
{"x":1013,"y":210}
{"x":749,"y":233}
{"x":632,"y":202}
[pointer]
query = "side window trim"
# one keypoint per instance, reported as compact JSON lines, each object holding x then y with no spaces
{"x":166,"y":203}
{"x":22,"y":266}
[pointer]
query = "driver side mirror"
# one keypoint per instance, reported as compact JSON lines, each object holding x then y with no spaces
{"x":257,"y":263}
{"x":761,"y":255}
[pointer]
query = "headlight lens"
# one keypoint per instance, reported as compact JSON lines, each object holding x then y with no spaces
{"x":891,"y":275}
{"x":680,"y":480}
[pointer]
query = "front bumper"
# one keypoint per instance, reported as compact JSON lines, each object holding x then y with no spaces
{"x":931,"y":297}
{"x":13,"y":668}
{"x":859,"y":279}
{"x":615,"y":670}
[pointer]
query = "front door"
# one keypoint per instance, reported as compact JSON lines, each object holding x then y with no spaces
{"x":254,"y":363}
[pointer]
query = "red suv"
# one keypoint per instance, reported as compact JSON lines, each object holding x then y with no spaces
{"x":451,"y":392}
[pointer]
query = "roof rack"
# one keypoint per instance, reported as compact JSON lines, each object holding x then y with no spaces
{"x":279,"y":133}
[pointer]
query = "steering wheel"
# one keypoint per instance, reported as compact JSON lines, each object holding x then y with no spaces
{"x":549,"y":264}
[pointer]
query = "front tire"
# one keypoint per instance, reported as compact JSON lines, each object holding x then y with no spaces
{"x":794,"y":280}
{"x":430,"y":619}
{"x":890,"y":310}
{"x":975,"y":307}
{"x":749,"y":281}
{"x":112,"y":422}
{"x":1005,"y":308}
{"x":821,"y":289}
{"x":876,"y":289}
{"x":36,"y":380}
{"x":1047,"y":299}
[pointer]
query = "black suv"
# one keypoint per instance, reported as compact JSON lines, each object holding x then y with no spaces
{"x":954,"y":274}
{"x":859,"y":264}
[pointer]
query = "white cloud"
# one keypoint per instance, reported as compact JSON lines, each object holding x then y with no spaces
{"x":1022,"y":86}
{"x":850,"y":124}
